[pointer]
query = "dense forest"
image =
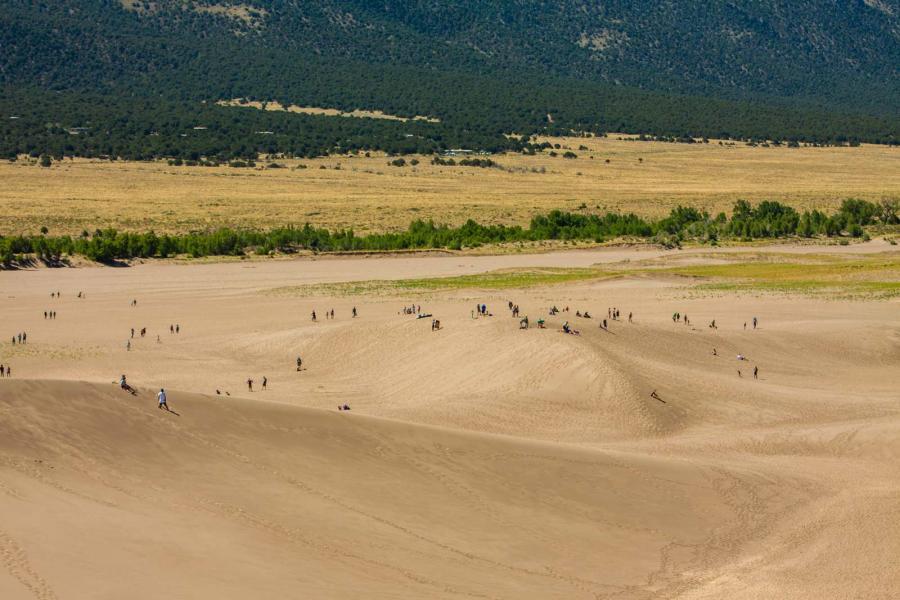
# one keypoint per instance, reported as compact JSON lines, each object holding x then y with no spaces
{"x":765,"y":220}
{"x":135,"y":79}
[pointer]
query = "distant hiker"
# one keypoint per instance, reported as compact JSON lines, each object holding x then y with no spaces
{"x":250,"y":384}
{"x":265,"y":382}
{"x":755,"y":372}
{"x":354,"y":312}
{"x":754,"y":322}
{"x":161,"y":399}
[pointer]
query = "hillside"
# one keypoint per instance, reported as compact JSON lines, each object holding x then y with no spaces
{"x":121,"y":71}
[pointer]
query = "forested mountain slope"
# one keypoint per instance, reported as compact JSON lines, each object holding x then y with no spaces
{"x":813,"y":70}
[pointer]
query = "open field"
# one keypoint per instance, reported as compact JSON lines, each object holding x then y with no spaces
{"x":368,"y":195}
{"x":478,"y":461}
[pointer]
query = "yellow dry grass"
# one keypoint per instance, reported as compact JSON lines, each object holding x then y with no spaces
{"x":274,"y":105}
{"x":369,"y":195}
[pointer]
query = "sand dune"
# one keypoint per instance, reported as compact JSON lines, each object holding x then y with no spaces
{"x":237,"y":498}
{"x":479,"y":461}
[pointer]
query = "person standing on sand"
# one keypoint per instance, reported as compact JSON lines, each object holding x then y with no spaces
{"x":354,"y":312}
{"x":132,"y":333}
{"x":250,"y":384}
{"x":128,"y":345}
{"x":299,"y":363}
{"x":754,"y":322}
{"x":755,"y":372}
{"x":313,"y":315}
{"x":265,"y":382}
{"x":161,"y":399}
{"x":177,"y":328}
{"x":1,"y":370}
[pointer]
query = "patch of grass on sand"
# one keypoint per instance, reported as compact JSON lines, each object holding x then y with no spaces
{"x":492,"y":280}
{"x":876,"y":277}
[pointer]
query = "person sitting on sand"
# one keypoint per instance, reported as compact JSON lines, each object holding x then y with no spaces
{"x":586,"y":315}
{"x":540,"y":324}
{"x":343,"y":407}
{"x":567,"y":329}
{"x":523,"y":324}
{"x":161,"y":399}
{"x":741,"y":357}
{"x":577,"y":313}
{"x":715,"y":353}
{"x":655,"y":396}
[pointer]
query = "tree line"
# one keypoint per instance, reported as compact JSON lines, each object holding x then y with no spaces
{"x":767,"y":219}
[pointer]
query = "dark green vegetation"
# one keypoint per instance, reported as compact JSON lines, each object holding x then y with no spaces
{"x":766,"y":220}
{"x":88,"y":77}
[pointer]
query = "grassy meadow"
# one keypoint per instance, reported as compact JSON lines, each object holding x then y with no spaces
{"x":648,"y":178}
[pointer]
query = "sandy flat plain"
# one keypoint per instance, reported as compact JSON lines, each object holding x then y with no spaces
{"x":478,"y":461}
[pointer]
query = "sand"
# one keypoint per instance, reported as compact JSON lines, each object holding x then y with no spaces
{"x":477,"y":461}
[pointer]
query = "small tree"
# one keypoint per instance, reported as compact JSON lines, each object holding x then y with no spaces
{"x":45,"y":160}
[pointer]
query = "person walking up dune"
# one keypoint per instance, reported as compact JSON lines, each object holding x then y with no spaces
{"x":161,"y":400}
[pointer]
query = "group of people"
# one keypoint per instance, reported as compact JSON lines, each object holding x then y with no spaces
{"x":5,"y":371}
{"x":49,"y":314}
{"x":20,"y":338}
{"x":265,"y":382}
{"x":678,"y":317}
